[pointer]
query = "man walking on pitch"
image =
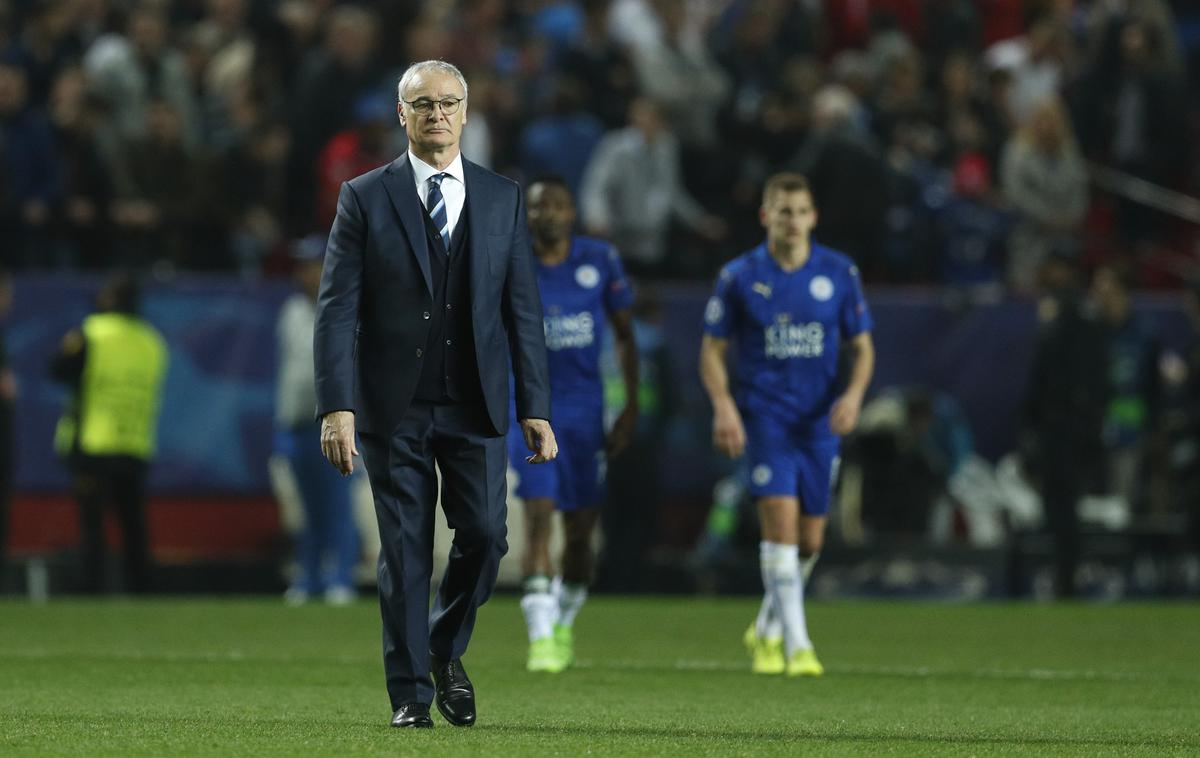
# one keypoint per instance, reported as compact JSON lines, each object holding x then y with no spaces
{"x":788,"y":304}
{"x":428,"y":293}
{"x":582,"y":284}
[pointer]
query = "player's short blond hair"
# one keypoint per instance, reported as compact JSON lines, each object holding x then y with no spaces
{"x":784,"y":181}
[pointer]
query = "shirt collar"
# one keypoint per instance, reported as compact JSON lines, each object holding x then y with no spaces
{"x":422,"y":170}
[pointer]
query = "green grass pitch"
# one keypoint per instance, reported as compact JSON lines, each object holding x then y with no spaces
{"x":656,"y":677}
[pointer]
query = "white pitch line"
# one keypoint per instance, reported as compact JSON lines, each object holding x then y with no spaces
{"x":913,"y":672}
{"x":899,"y":671}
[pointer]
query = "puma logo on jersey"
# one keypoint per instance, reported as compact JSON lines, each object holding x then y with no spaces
{"x":762,"y":289}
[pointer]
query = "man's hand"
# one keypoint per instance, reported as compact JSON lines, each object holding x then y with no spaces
{"x":843,"y":417}
{"x":539,"y":438}
{"x":337,"y":440}
{"x":729,"y":436}
{"x":622,"y":430}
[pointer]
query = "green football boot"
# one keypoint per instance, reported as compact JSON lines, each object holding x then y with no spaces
{"x":564,"y":639}
{"x":544,"y":656}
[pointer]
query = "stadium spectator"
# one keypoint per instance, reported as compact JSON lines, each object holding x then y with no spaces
{"x":327,"y":544}
{"x":1066,"y":398}
{"x":133,"y":70}
{"x":1045,"y":181}
{"x":368,"y":143}
{"x":1131,"y":113}
{"x":245,"y":195}
{"x":82,"y":228}
{"x":735,"y":82}
{"x":561,"y":143}
{"x":1134,"y":389}
{"x":154,"y":210}
{"x":846,"y":170}
{"x":632,"y":190}
{"x":30,"y":185}
{"x":601,"y":66}
{"x":1038,"y":62}
{"x":330,"y":81}
{"x":681,"y":77}
{"x":973,"y":227}
{"x":43,"y":44}
{"x":114,"y":365}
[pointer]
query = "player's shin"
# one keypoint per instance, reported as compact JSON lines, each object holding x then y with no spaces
{"x":806,"y":566}
{"x":788,"y":591}
{"x":540,"y":607}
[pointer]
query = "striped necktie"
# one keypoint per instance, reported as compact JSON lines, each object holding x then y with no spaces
{"x":436,"y":204}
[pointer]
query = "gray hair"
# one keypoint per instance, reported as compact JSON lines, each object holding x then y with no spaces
{"x":425,"y":67}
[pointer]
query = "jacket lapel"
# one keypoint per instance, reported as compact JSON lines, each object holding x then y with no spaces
{"x":477,"y":239}
{"x":398,"y":182}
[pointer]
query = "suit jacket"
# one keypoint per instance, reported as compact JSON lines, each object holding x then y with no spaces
{"x":376,"y":294}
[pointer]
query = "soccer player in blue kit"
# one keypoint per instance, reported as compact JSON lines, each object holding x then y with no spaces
{"x":582,"y":285}
{"x":788,"y":304}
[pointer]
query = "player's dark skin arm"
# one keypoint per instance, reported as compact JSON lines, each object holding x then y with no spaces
{"x":622,"y":431}
{"x":67,"y":364}
{"x":843,"y":417}
{"x":729,"y":435}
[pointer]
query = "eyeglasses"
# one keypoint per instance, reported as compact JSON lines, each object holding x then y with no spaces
{"x":424,"y":106}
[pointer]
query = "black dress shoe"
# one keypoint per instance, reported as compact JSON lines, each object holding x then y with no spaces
{"x":412,"y":715}
{"x":455,"y":695}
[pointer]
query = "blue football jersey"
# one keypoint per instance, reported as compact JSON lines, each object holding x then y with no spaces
{"x":577,"y":296}
{"x":788,"y":328}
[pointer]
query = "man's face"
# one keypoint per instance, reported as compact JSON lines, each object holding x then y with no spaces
{"x":788,"y":217}
{"x":551,"y":212}
{"x":435,"y":130}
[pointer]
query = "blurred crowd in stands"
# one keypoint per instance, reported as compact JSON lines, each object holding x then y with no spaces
{"x":948,"y":141}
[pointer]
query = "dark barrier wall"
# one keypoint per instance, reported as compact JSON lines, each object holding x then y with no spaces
{"x":216,"y":427}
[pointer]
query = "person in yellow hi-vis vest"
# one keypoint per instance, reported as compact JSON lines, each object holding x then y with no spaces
{"x":115,"y":364}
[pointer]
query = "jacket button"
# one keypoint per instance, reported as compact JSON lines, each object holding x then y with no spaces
{"x":419,"y":352}
{"x":425,"y":315}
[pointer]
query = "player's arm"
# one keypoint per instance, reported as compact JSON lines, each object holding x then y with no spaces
{"x":627,"y":357}
{"x":844,"y":415}
{"x":729,"y":436}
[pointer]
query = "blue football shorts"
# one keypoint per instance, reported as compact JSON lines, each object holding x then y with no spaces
{"x":788,"y":461}
{"x":574,"y":479}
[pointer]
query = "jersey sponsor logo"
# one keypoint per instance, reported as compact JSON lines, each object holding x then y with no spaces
{"x":787,"y":340}
{"x":714,"y":310}
{"x":821,"y":288}
{"x":587,"y":276}
{"x":762,"y":289}
{"x":761,"y":475}
{"x":573,"y":330}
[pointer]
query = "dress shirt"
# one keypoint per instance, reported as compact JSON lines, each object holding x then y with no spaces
{"x":454,"y":186}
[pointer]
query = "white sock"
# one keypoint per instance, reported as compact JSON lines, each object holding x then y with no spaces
{"x":806,"y":566}
{"x":540,"y":608}
{"x":571,"y":598}
{"x":786,"y":586}
{"x":768,"y":624}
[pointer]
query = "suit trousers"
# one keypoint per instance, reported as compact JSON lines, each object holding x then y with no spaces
{"x":472,"y":459}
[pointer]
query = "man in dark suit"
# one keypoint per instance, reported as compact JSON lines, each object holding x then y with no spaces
{"x":427,"y":293}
